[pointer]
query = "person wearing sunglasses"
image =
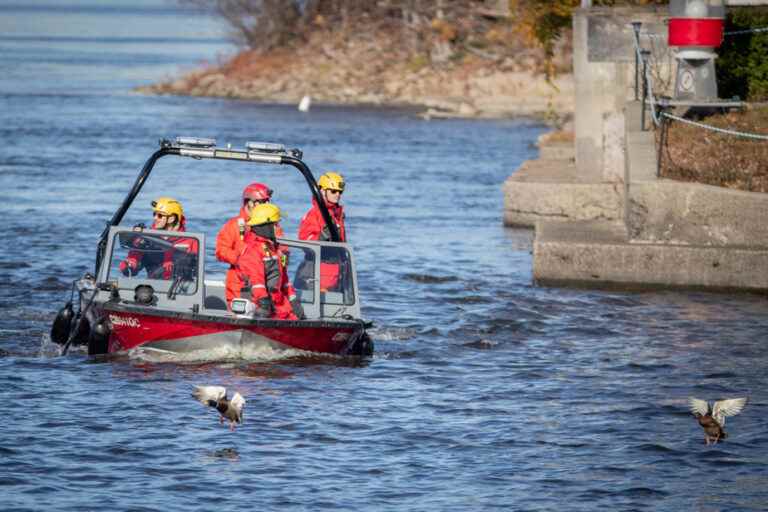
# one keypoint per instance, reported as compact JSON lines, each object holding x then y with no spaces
{"x":168,"y":215}
{"x":312,"y":226}
{"x":230,"y":242}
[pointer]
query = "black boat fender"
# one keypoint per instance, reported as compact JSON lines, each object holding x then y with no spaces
{"x":98,"y":342}
{"x":62,"y":324}
{"x":362,"y":344}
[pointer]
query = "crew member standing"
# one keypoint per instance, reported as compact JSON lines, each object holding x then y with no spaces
{"x":313,"y":227}
{"x":230,"y":241}
{"x":262,"y":268}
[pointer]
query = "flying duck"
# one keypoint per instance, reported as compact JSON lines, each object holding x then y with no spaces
{"x":712,"y":416}
{"x":216,"y":397}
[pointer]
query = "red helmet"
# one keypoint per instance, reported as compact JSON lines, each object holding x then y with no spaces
{"x":257,"y":192}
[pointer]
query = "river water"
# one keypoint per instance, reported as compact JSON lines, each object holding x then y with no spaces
{"x":485,"y":392}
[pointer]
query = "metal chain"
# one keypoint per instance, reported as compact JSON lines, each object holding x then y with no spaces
{"x":654,"y":115}
{"x":715,"y":128}
{"x":748,"y":31}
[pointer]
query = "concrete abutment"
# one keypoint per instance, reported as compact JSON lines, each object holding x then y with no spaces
{"x":601,"y":216}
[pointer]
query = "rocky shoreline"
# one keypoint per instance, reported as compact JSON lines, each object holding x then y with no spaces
{"x":356,"y":74}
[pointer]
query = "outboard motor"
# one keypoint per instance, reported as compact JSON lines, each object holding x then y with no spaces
{"x":62,"y":324}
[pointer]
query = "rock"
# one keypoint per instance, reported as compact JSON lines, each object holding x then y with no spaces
{"x":467,"y":110}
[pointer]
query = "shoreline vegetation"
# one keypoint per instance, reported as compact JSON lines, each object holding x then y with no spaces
{"x":451,"y":62}
{"x":464,"y":58}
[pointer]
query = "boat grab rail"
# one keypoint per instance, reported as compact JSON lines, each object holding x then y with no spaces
{"x":198,"y":148}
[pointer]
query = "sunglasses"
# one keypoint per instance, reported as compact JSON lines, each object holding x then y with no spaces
{"x":335,"y":191}
{"x":159,"y":215}
{"x":258,"y":201}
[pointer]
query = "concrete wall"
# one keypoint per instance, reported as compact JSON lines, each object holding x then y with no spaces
{"x":591,"y":263}
{"x":670,"y":211}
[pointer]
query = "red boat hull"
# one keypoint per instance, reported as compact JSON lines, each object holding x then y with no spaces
{"x":131,"y":328}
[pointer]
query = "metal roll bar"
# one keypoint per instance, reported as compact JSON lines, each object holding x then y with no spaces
{"x":267,"y":153}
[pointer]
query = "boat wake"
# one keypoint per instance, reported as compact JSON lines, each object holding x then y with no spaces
{"x":393,"y":333}
{"x":221,"y":353}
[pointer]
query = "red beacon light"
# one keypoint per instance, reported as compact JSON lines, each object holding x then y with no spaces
{"x":697,"y":23}
{"x":696,"y":29}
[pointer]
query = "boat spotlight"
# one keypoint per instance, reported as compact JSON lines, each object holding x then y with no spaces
{"x":195,"y":142}
{"x":144,"y":294}
{"x":265,"y":147}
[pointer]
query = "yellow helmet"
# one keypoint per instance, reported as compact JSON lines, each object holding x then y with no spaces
{"x":264,"y":213}
{"x":331,"y":181}
{"x":168,"y":206}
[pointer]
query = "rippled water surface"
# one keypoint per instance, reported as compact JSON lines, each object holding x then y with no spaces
{"x":485,"y":392}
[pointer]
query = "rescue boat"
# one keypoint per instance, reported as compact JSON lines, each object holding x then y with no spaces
{"x":186,"y":312}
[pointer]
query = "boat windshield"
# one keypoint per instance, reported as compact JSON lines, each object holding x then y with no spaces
{"x":138,"y":256}
{"x":336,"y":280}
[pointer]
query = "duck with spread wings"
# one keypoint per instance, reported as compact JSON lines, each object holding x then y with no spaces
{"x":216,"y":397}
{"x":712,"y":416}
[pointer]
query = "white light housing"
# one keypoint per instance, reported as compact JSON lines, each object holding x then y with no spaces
{"x":196,"y":142}
{"x":266,"y":147}
{"x":696,"y":9}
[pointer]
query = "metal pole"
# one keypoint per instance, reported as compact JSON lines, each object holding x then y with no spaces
{"x":644,"y":54}
{"x":662,"y":138}
{"x":165,"y":149}
{"x":313,"y":188}
{"x":636,"y":27}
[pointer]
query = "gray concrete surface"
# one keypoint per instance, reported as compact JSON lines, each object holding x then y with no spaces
{"x":552,"y":189}
{"x":675,"y":234}
{"x":690,"y":213}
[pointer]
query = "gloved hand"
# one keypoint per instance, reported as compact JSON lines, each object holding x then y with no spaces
{"x":129,"y":267}
{"x":264,"y":308}
{"x":325,"y":234}
{"x":167,"y":269}
{"x":297,"y":308}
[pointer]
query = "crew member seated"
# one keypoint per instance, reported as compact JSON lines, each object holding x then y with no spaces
{"x":230,"y":241}
{"x":159,"y":264}
{"x":262,"y":268}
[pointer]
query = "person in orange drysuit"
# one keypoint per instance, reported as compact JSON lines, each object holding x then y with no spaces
{"x":312,"y":226}
{"x":262,"y":268}
{"x":168,"y":216}
{"x":230,"y":241}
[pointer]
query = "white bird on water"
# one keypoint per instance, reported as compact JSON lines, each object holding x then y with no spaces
{"x":216,"y":397}
{"x":305,"y":103}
